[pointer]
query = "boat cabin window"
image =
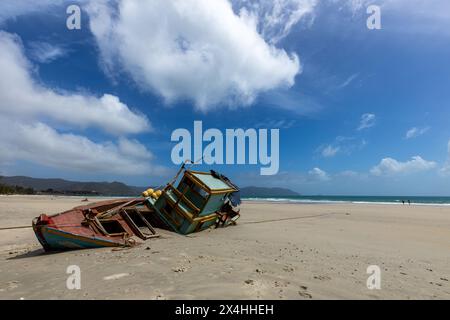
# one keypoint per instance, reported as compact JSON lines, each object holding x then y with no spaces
{"x":187,"y":183}
{"x":134,"y":216}
{"x":193,"y":192}
{"x":138,"y":221}
{"x":112,"y":226}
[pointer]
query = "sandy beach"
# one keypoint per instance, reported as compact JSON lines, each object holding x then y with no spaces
{"x":277,"y":251}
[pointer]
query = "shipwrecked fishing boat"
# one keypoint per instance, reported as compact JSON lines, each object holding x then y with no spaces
{"x":200,"y":200}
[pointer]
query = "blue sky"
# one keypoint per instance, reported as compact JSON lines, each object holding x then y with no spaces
{"x":360,"y":111}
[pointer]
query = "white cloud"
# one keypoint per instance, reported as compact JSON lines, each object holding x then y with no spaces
{"x":330,"y":151}
{"x":199,"y":50}
{"x":389,"y":166}
{"x":318,"y":174}
{"x":353,"y":5}
{"x":39,"y":143}
{"x":10,"y":9}
{"x":341,"y":145}
{"x":348,"y":81}
{"x":275,"y":124}
{"x":292,"y":100}
{"x":25,"y":103}
{"x":21,"y":95}
{"x":416,"y":132}
{"x":44,"y":52}
{"x":367,"y":121}
{"x":276,"y":18}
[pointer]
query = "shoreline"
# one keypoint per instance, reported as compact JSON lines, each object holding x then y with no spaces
{"x":273,"y":200}
{"x":331,"y":202}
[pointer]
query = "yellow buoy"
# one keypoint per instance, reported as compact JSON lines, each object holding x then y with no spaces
{"x":150,"y":191}
{"x":158,"y":193}
{"x":145,"y":194}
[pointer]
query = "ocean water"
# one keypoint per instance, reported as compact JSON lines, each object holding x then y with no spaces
{"x":443,"y":201}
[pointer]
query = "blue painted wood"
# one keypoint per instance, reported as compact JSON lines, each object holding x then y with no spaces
{"x":57,"y":239}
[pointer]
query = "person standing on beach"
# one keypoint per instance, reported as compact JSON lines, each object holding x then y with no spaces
{"x":409,"y":202}
{"x":403,"y":201}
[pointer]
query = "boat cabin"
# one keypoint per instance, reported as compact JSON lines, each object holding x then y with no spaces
{"x":195,"y":203}
{"x":198,"y":201}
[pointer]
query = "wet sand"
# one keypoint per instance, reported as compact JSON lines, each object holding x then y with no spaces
{"x":277,"y":251}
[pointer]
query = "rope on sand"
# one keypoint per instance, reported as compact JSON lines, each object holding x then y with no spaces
{"x":293,"y":218}
{"x":17,"y":227}
{"x":248,"y":222}
{"x":47,"y":225}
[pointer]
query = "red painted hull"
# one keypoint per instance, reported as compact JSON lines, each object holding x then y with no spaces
{"x":86,"y":226}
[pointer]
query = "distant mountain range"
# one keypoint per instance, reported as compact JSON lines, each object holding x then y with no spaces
{"x":61,"y":186}
{"x":65,"y":187}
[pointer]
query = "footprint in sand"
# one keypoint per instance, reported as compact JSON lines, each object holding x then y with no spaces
{"x":280,"y":294}
{"x":305,"y":294}
{"x":12,"y":285}
{"x":179,"y":269}
{"x":288,"y":269}
{"x":436,"y":284}
{"x":322,"y":278}
{"x":158,"y":296}
{"x":256,"y":288}
{"x":283,"y":284}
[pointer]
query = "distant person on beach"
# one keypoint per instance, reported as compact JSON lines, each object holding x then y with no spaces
{"x":409,"y":202}
{"x":403,"y":201}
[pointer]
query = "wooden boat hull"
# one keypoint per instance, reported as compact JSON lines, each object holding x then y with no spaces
{"x":54,"y":239}
{"x":83,"y":227}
